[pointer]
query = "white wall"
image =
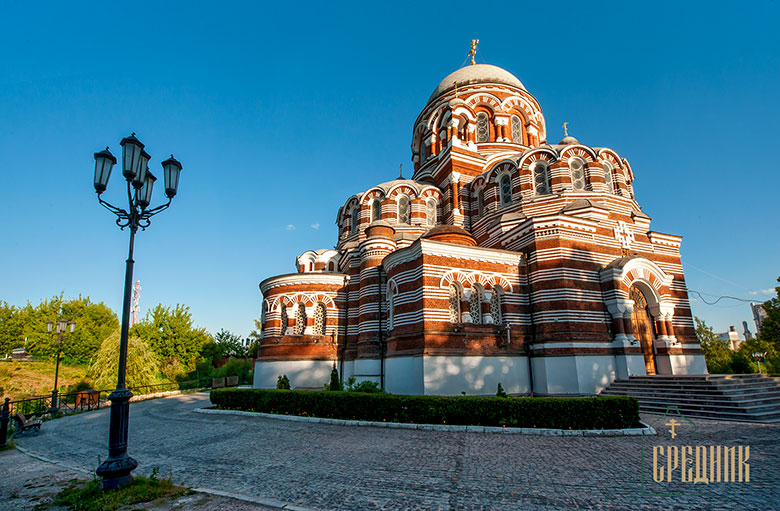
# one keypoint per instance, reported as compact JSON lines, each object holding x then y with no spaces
{"x":688,"y":364}
{"x":404,"y":375}
{"x":302,"y":373}
{"x":474,"y":375}
{"x":575,"y":374}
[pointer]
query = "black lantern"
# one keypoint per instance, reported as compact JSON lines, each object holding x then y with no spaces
{"x":143,"y":168}
{"x":131,"y":156}
{"x":172,"y":169}
{"x":145,"y":193}
{"x":104,"y":162}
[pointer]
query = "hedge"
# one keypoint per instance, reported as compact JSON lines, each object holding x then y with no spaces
{"x":602,"y":412}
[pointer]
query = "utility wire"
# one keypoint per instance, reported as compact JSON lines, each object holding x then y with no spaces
{"x":719,"y":297}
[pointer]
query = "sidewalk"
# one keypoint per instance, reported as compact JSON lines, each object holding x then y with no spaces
{"x":26,"y":482}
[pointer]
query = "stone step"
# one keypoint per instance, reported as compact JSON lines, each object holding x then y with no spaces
{"x":748,"y":397}
{"x":771,"y":418}
{"x":707,"y":391}
{"x":713,"y":404}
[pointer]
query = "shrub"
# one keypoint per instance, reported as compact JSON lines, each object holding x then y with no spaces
{"x":335,"y":382}
{"x":500,"y":392}
{"x":602,"y":412}
{"x":282,"y":382}
{"x":370,"y":387}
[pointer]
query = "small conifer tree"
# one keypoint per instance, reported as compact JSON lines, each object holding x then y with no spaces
{"x":335,"y":383}
{"x":500,"y":391}
{"x":282,"y":382}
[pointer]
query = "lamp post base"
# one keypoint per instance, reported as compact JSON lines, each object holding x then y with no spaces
{"x":115,"y":471}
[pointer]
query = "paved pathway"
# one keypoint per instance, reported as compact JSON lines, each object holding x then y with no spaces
{"x":333,"y":467}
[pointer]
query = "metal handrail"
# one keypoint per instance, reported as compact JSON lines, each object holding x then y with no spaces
{"x":90,"y":399}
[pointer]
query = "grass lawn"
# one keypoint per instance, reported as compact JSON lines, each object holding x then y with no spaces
{"x":25,"y":379}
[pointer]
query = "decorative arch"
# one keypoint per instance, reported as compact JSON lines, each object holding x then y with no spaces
{"x":462,"y":110}
{"x":485,"y":99}
{"x":400,"y":189}
{"x":466,"y":279}
{"x":541,"y":153}
{"x":584,"y":152}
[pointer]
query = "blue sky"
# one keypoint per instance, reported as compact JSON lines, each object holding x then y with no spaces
{"x":279,"y":113}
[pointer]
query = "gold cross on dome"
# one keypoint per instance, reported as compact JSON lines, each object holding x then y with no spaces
{"x":565,"y":129}
{"x":473,"y":50}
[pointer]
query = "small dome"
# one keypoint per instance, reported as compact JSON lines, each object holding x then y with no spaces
{"x":450,"y":234}
{"x":568,"y":140}
{"x":478,"y":73}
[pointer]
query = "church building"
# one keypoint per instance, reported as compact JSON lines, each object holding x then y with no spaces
{"x":504,"y":259}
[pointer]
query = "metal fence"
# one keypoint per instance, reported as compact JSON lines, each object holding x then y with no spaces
{"x":85,"y":400}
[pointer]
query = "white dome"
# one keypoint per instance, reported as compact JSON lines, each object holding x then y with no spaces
{"x":478,"y":73}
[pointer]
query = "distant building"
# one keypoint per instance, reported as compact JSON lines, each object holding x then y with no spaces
{"x":759,"y":315}
{"x":731,"y":338}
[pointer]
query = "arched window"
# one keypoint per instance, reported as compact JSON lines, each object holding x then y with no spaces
{"x":483,"y":127}
{"x":284,"y":321}
{"x":495,"y":305}
{"x":331,"y":266}
{"x":480,"y":202}
{"x":376,"y":210}
{"x":319,"y":319}
{"x":541,"y":173}
{"x":455,"y":295}
{"x":577,"y":167}
{"x":311,"y":266}
{"x":505,"y":189}
{"x":354,"y":220}
{"x":463,"y":128}
{"x":475,"y":304}
{"x":300,"y":319}
{"x":263,"y":314}
{"x":517,"y":130}
{"x":430,"y":211}
{"x":423,"y":151}
{"x":403,"y":210}
{"x":608,"y":176}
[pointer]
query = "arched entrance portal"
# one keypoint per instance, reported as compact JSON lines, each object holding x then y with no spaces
{"x":643,"y":328}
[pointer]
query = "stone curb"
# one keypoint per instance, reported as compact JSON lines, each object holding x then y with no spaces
{"x":647,"y":430}
{"x":255,"y":500}
{"x":49,"y":460}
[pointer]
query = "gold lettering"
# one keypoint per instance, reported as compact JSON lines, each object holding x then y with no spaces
{"x":701,"y":465}
{"x":715,"y":463}
{"x":671,"y":455}
{"x":658,"y":471}
{"x":729,"y":465}
{"x":686,"y":474}
{"x":744,"y":468}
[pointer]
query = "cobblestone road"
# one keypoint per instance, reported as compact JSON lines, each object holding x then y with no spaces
{"x":333,"y":467}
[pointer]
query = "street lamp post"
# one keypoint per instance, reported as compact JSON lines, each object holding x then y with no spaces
{"x":115,"y":470}
{"x":62,"y":325}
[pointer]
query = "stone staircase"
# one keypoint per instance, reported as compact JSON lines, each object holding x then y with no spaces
{"x":737,"y":397}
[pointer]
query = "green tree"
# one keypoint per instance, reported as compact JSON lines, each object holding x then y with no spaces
{"x":257,"y":333}
{"x":770,"y":327}
{"x":27,"y":326}
{"x":171,"y":334}
{"x":229,"y":344}
{"x":142,"y":367}
{"x":11,"y":328}
{"x":335,"y":382}
{"x":716,"y":352}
